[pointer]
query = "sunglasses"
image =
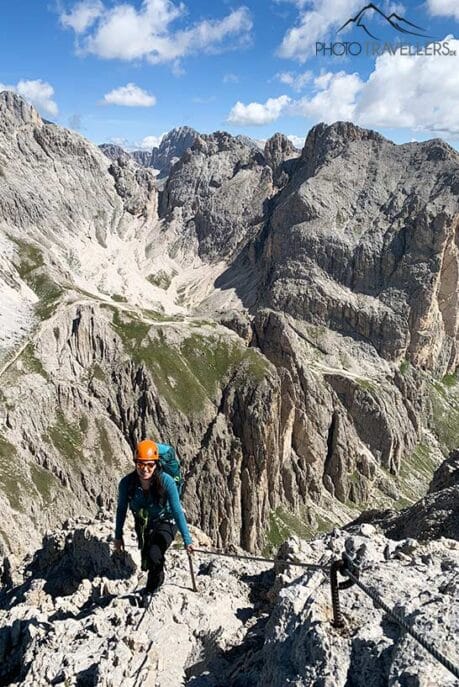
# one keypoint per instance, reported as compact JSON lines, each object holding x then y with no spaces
{"x":144,"y":464}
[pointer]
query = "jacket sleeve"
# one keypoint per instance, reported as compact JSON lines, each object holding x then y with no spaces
{"x":176,"y":508}
{"x":121,"y":508}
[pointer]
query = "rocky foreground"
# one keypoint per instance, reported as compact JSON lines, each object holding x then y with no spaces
{"x":70,"y":616}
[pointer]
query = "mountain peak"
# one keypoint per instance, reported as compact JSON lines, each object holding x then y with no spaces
{"x":14,"y":108}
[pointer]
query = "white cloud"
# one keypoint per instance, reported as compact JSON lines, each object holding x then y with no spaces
{"x":295,"y":81}
{"x":127,"y":33}
{"x":82,"y":16}
{"x":150,"y":142}
{"x":314,"y":24}
{"x":298,"y":141}
{"x":120,"y":141}
{"x":129,"y":96}
{"x":37,"y":92}
{"x":443,"y":8}
{"x":418,"y":92}
{"x":258,"y":113}
{"x":334,"y":98}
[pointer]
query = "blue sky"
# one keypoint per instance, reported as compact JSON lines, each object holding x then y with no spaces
{"x":130,"y":71}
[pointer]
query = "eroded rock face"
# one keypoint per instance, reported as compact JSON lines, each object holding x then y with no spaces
{"x":217,"y":192}
{"x":171,"y":148}
{"x":357,"y":242}
{"x":447,"y":475}
{"x":280,"y":153}
{"x":275,"y":337}
{"x":134,"y":185}
{"x":435,"y":515}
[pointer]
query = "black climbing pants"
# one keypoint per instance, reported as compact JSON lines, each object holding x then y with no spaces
{"x":159,"y":538}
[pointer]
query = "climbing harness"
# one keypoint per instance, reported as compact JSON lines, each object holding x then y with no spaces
{"x":349,"y":566}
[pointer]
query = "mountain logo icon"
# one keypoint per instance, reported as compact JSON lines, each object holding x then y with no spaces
{"x":400,"y":24}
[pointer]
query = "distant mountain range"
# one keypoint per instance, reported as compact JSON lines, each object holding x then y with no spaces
{"x":163,"y":157}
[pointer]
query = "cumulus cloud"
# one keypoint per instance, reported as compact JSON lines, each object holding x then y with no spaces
{"x":418,"y":92}
{"x":82,"y":16}
{"x":258,"y":113}
{"x":298,"y":141}
{"x":129,"y":96}
{"x":334,"y":98}
{"x":415,"y":92}
{"x":127,"y":33}
{"x":443,"y":8}
{"x":296,"y":81}
{"x":150,"y":142}
{"x":314,"y":24}
{"x":37,"y":92}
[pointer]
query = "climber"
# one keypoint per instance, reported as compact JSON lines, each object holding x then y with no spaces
{"x":152,"y":495}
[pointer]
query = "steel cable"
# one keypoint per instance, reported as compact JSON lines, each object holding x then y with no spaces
{"x":312,"y":566}
{"x":444,"y":660}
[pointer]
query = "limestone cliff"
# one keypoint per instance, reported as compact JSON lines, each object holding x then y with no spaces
{"x":288,"y":322}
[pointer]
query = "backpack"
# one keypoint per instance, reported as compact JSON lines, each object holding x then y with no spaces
{"x":171,"y":464}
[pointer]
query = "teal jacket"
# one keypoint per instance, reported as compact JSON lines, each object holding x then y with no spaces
{"x":140,"y":501}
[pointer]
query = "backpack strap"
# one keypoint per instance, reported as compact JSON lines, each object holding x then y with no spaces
{"x":132,"y":484}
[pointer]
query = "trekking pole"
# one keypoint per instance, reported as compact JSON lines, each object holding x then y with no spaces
{"x":193,"y":581}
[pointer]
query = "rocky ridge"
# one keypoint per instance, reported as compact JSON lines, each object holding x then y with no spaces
{"x":289,"y":323}
{"x":70,"y":615}
{"x":161,"y":158}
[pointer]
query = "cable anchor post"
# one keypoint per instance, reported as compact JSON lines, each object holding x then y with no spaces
{"x":350,"y":561}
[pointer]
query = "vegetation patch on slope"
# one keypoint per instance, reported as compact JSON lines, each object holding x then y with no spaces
{"x":284,"y":524}
{"x":31,"y":268}
{"x":45,"y":482}
{"x":66,"y":437}
{"x":12,"y":483}
{"x":190,"y":373}
{"x":444,"y":399}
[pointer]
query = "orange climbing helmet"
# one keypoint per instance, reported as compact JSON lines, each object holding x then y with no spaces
{"x":147,"y":450}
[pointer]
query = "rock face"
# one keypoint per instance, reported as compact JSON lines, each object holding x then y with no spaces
{"x":70,"y":616}
{"x":113,"y":151}
{"x":163,"y":157}
{"x":278,"y":319}
{"x":171,"y":148}
{"x":217,"y":192}
{"x":143,"y":157}
{"x":364,"y":240}
{"x":279,"y":153}
{"x":447,"y":475}
{"x":434,"y":516}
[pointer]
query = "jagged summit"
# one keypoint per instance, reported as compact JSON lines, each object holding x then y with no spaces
{"x":113,"y":151}
{"x":14,"y":108}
